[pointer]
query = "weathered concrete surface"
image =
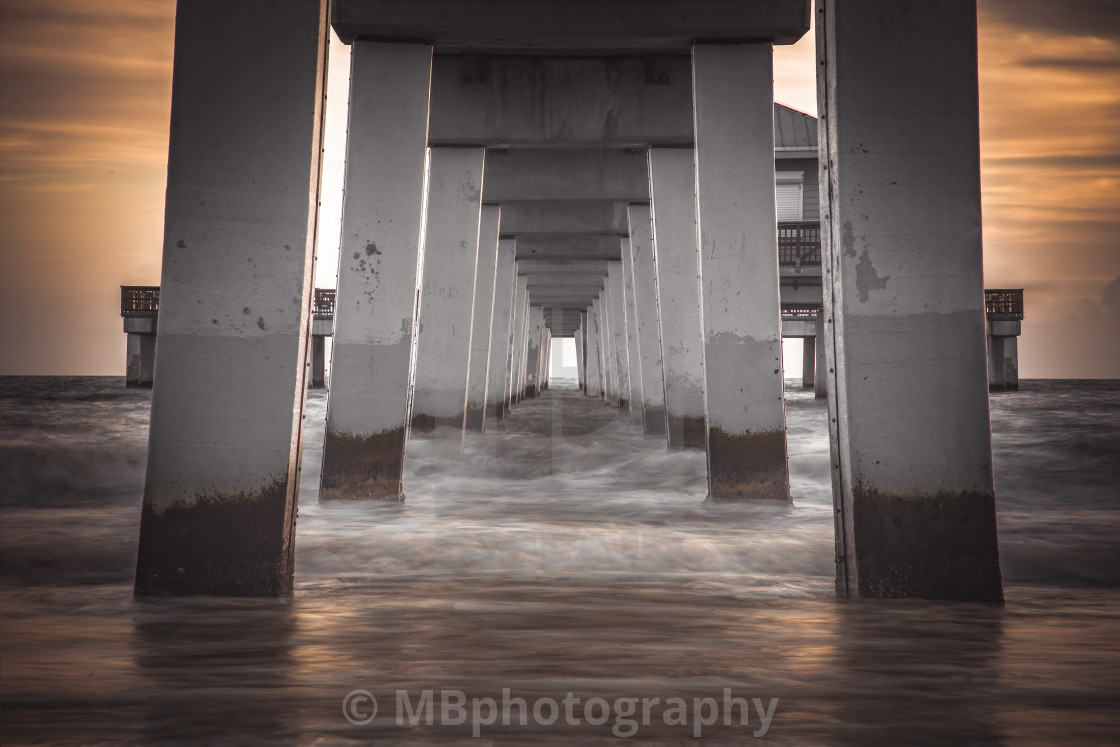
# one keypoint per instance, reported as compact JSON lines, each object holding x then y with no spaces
{"x":505,"y":288}
{"x":733,"y":89}
{"x":637,"y":412}
{"x":649,"y":328}
{"x":363,"y":452}
{"x":222,"y":477}
{"x":619,"y":343}
{"x":584,"y":25}
{"x":443,"y":348}
{"x":569,"y":101}
{"x":482,"y":320}
{"x":904,"y":302}
{"x":673,"y":187}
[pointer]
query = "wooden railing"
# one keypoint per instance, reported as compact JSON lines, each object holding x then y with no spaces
{"x":1003,"y":303}
{"x":139,"y":300}
{"x":799,"y":243}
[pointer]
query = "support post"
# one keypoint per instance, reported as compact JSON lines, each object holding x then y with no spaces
{"x":443,"y":349}
{"x":577,"y":338}
{"x":505,"y":287}
{"x":582,"y":342}
{"x":222,"y":479}
{"x":367,"y":408}
{"x":533,"y":352}
{"x":649,"y":327}
{"x":594,"y":353}
{"x":634,"y":361}
{"x":478,"y":376}
{"x":904,"y":301}
{"x":821,"y":379}
{"x":745,"y":403}
{"x":808,"y":361}
{"x":318,"y":362}
{"x":140,"y":358}
{"x":617,"y":292}
{"x":672,"y":177}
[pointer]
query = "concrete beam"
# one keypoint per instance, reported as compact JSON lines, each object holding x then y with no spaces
{"x":553,"y":279}
{"x":222,"y":480}
{"x":539,"y":266}
{"x":590,"y":247}
{"x":586,"y":26}
{"x":575,"y":175}
{"x":554,"y":218}
{"x":605,"y":102}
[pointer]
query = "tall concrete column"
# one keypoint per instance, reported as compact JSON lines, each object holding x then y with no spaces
{"x":672,"y":175}
{"x":607,"y":364}
{"x":546,"y":361}
{"x":443,"y":349}
{"x":637,"y":411}
{"x":505,"y":285}
{"x":140,"y":360}
{"x":222,"y":479}
{"x":808,"y":361}
{"x":581,"y":341}
{"x":522,"y":343}
{"x":533,"y":352}
{"x":578,"y":340}
{"x":649,"y":328}
{"x":478,"y":375}
{"x":821,"y":379}
{"x":318,"y":362}
{"x":734,"y":119}
{"x":1003,"y":363}
{"x":363,"y":448}
{"x":904,"y":301}
{"x":516,"y":323}
{"x":618,"y":334}
{"x":594,"y":353}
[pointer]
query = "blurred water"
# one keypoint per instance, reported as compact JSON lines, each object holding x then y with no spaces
{"x":560,"y":553}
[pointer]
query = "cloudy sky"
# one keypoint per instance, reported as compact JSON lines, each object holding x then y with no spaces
{"x":85,"y":96}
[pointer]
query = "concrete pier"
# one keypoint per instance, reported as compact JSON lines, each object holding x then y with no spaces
{"x":673,"y":194}
{"x":482,"y":320}
{"x":616,"y":291}
{"x":904,"y":313}
{"x":363,"y":450}
{"x":505,"y":288}
{"x":734,"y":112}
{"x":594,"y":354}
{"x":637,"y":412}
{"x":649,"y":327}
{"x":222,"y":479}
{"x":533,"y":353}
{"x":443,"y":348}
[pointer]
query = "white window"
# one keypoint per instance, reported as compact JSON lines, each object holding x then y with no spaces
{"x":790,"y":185}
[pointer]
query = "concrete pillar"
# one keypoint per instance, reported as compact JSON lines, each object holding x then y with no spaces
{"x":140,"y":357}
{"x":904,"y":301}
{"x":637,"y":411}
{"x":533,"y":352}
{"x":578,"y":340}
{"x":673,"y":200}
{"x":546,"y":360}
{"x":607,"y":364}
{"x":482,"y":319}
{"x":594,"y":353}
{"x":367,"y":409}
{"x":443,"y":348}
{"x":222,"y":479}
{"x":821,"y":379}
{"x":734,"y":103}
{"x":1003,"y":363}
{"x":1011,"y":364}
{"x":808,"y":361}
{"x":649,"y":328}
{"x":516,"y":322}
{"x":618,"y":334}
{"x":505,"y":287}
{"x":318,"y":362}
{"x":581,"y":341}
{"x":522,"y":345}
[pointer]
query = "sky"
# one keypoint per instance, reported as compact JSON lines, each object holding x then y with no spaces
{"x":85,"y":99}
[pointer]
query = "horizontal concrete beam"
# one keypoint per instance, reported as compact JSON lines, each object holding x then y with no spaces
{"x":608,"y":102}
{"x":591,"y":246}
{"x":584,"y":26}
{"x":554,"y":279}
{"x":553,"y":218}
{"x":530,"y":266}
{"x":577,"y":175}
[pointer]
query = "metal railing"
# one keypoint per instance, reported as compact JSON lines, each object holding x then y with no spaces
{"x":139,"y":300}
{"x":800,"y":311}
{"x":324,"y":303}
{"x":1003,"y":303}
{"x":799,"y":242}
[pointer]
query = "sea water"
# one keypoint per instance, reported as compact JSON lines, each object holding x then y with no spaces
{"x":559,"y":556}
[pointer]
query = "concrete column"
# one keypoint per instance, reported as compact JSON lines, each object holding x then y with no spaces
{"x":533,"y":352}
{"x":904,"y":301}
{"x":607,"y":364}
{"x":318,"y":362}
{"x":140,"y":357}
{"x":1011,"y":363}
{"x":581,"y":341}
{"x":618,"y":334}
{"x":649,"y":328}
{"x":734,"y":103}
{"x":222,"y":479}
{"x":821,"y":379}
{"x":505,"y":285}
{"x":516,"y":322}
{"x":367,"y":408}
{"x":594,"y":353}
{"x":546,"y":361}
{"x":522,"y":344}
{"x":578,"y":340}
{"x":672,"y":174}
{"x":482,"y":319}
{"x":808,"y":361}
{"x":637,"y":411}
{"x":443,"y":349}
